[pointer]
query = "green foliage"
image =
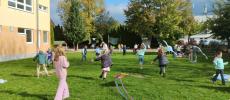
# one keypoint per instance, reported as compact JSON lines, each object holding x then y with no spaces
{"x":88,"y":10}
{"x":59,"y":33}
{"x":164,"y":19}
{"x":74,"y":27}
{"x":104,"y":24}
{"x":220,"y":25}
{"x":52,"y":33}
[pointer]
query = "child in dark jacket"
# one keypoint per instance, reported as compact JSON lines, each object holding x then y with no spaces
{"x":106,"y":63}
{"x":163,"y":61}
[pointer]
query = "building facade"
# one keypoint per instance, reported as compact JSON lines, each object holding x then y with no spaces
{"x":24,"y":28}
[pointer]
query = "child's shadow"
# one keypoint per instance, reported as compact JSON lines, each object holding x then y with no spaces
{"x":82,"y":77}
{"x":26,"y":94}
{"x":21,"y":75}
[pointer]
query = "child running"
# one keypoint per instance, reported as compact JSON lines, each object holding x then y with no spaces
{"x":106,"y":63}
{"x":163,"y":61}
{"x":61,"y":64}
{"x":41,"y":59}
{"x":219,"y":66}
{"x":141,"y":54}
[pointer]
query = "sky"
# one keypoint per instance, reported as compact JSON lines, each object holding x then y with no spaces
{"x":115,"y":8}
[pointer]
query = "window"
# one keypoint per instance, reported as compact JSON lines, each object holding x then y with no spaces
{"x":29,"y":36}
{"x":45,"y":37}
{"x":11,"y":29}
{"x":21,"y":31}
{"x":42,"y":8}
{"x":12,"y":3}
{"x":0,"y":28}
{"x":25,"y":5}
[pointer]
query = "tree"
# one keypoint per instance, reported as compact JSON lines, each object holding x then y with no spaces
{"x":74,"y":27}
{"x":220,"y":25}
{"x":89,"y":9}
{"x":104,"y":24}
{"x":52,"y":33}
{"x":58,"y":33}
{"x":163,"y":19}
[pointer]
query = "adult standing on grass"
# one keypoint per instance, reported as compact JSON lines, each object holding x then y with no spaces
{"x":141,"y":54}
{"x":219,"y":66}
{"x":124,"y":49}
{"x":84,"y":53}
{"x":195,"y":51}
{"x":61,"y":64}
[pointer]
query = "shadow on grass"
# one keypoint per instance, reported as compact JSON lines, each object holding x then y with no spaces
{"x":21,"y":75}
{"x":182,"y":80}
{"x":82,"y":77}
{"x":218,"y":88}
{"x":108,"y":84}
{"x":25,"y":94}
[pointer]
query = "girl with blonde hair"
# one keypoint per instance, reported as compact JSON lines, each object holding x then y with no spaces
{"x":61,"y":64}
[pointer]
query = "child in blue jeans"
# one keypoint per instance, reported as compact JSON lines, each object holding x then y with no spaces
{"x":219,"y":66}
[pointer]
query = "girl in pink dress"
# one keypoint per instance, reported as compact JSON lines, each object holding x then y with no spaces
{"x":61,"y":64}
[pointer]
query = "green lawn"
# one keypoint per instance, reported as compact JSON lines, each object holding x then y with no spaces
{"x":184,"y":81}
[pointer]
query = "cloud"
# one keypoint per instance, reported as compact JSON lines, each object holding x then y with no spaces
{"x":117,"y":11}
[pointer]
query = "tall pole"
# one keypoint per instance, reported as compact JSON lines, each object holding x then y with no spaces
{"x":37,"y":26}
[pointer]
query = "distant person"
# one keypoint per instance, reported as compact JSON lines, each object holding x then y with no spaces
{"x":105,"y":47}
{"x":195,"y":51}
{"x":50,"y":57}
{"x":163,"y":61}
{"x":41,"y":59}
{"x":98,"y":51}
{"x":106,"y":63}
{"x":135,"y":48}
{"x":141,"y":54}
{"x":219,"y":66}
{"x":61,"y":64}
{"x":84,"y":53}
{"x":124,"y":49}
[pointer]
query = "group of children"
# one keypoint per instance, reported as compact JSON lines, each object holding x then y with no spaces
{"x":103,"y":54}
{"x":44,"y":60}
{"x":59,"y":60}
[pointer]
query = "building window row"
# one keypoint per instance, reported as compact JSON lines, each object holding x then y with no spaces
{"x":28,"y":33}
{"x":25,"y":5}
{"x":42,"y":8}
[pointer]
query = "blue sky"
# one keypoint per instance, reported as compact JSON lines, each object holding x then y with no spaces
{"x":115,"y":7}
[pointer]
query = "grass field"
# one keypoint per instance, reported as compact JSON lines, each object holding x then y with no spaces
{"x":184,"y":81}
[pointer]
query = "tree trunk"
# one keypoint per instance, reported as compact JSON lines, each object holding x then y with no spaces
{"x":189,"y":35}
{"x":77,"y":47}
{"x":74,"y":48}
